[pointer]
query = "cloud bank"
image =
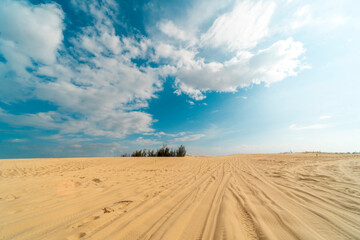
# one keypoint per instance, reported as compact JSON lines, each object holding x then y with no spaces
{"x":237,"y":33}
{"x":96,"y":80}
{"x":97,"y":88}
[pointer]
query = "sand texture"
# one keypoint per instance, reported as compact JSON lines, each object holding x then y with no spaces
{"x":276,"y":196}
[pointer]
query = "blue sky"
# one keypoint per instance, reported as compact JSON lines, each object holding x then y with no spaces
{"x":102,"y":78}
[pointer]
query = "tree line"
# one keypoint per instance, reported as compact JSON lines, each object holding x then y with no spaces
{"x":164,"y":151}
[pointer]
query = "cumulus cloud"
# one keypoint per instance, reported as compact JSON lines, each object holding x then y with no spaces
{"x":192,"y":92}
{"x":97,"y":88}
{"x":235,"y":34}
{"x":30,"y":34}
{"x":178,"y":57}
{"x":267,"y":66}
{"x":169,"y":28}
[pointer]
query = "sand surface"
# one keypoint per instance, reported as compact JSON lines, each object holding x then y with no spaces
{"x":277,"y":196}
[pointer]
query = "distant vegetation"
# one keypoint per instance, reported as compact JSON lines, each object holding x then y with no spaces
{"x":164,"y":151}
{"x":328,"y":152}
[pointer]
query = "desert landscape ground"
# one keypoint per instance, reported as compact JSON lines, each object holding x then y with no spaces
{"x":274,"y":196}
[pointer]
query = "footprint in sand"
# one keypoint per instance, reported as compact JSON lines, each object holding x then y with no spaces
{"x":76,"y":236}
{"x":96,"y":180}
{"x":85,"y":221}
{"x":107,"y":210}
{"x":119,"y":205}
{"x":67,"y":187}
{"x":11,"y":197}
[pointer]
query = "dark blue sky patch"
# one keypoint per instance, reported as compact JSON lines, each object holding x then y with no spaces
{"x":31,"y":106}
{"x":2,"y":58}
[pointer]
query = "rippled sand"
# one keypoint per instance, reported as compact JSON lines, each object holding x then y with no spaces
{"x":276,"y":196}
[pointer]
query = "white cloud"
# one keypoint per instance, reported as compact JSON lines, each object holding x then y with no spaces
{"x":242,"y":28}
{"x":307,"y":127}
{"x":173,"y":31}
{"x":190,"y":102}
{"x":268,"y":65}
{"x":178,"y":57}
{"x":325,"y":117}
{"x":162,"y":134}
{"x":28,"y":34}
{"x":141,"y":141}
{"x":242,"y":97}
{"x":240,"y":31}
{"x":97,"y":94}
{"x":115,"y":124}
{"x":195,"y":94}
{"x":208,"y":9}
{"x":17,"y":140}
{"x":187,"y":138}
{"x":47,"y":120}
{"x":302,"y":17}
{"x":99,"y":90}
{"x":237,"y":33}
{"x":171,"y":137}
{"x":316,"y":16}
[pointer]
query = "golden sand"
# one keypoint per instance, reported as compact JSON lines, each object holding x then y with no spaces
{"x":275,"y":196}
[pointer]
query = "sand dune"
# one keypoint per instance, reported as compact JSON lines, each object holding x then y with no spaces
{"x":282,"y":196}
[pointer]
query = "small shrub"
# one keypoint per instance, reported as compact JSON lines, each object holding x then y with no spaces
{"x":151,"y":153}
{"x":137,"y":153}
{"x":181,"y":152}
{"x":164,"y":151}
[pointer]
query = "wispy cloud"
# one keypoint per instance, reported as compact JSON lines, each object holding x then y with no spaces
{"x":244,"y":97}
{"x":230,"y":30}
{"x":187,"y":138}
{"x":17,"y":140}
{"x":325,"y":117}
{"x":143,"y":141}
{"x":302,"y":17}
{"x":307,"y":127}
{"x":162,"y":134}
{"x":168,"y":138}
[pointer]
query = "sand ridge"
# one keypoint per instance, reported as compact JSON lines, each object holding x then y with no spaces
{"x":275,"y":196}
